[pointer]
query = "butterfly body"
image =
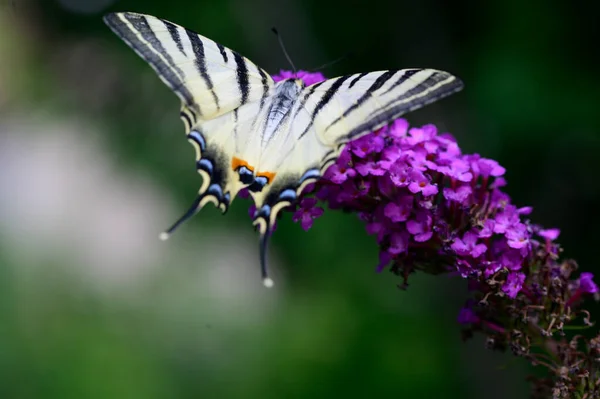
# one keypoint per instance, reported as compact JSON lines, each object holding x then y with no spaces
{"x":251,"y":132}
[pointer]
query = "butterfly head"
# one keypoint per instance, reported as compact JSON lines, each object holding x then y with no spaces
{"x":289,"y":88}
{"x":299,"y":83}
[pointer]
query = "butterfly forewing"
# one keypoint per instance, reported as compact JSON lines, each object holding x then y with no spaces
{"x":209,"y":78}
{"x":368,"y":101}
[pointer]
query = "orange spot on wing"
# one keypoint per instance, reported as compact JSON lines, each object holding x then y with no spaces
{"x":269,"y":175}
{"x":237,"y":163}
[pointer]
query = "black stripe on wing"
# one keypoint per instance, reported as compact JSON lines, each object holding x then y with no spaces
{"x":357,"y":78}
{"x":243,"y":78}
{"x":150,"y":49}
{"x":380,"y":81}
{"x":409,"y":101}
{"x":327,"y":96}
{"x":174,"y":32}
{"x":266,"y":87}
{"x":405,"y":76}
{"x":223,"y":52}
{"x":200,"y":62}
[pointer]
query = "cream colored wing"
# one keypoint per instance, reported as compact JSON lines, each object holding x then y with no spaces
{"x":347,"y":107}
{"x":209,"y":78}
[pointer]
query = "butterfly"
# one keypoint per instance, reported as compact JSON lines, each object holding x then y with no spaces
{"x":271,"y":138}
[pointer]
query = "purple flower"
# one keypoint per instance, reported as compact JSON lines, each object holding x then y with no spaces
{"x":420,"y":184}
{"x":399,"y":211}
{"x":399,"y":173}
{"x":309,"y":78}
{"x":506,"y":219}
{"x":467,"y":246}
{"x":398,"y":242}
{"x":398,"y":128}
{"x":586,"y":283}
{"x":467,"y":315}
{"x":420,"y":227}
{"x":244,"y":193}
{"x":461,"y":194}
{"x":339,"y":173}
{"x":420,"y":135}
{"x":511,"y":259}
{"x":307,"y":212}
{"x":486,"y":167}
{"x":491,"y":268}
{"x":513,"y":284}
{"x":353,"y":189}
{"x":488,"y":229}
{"x":378,"y":168}
{"x":384,"y":259}
{"x":549,"y":234}
{"x":458,"y":169}
{"x":367,"y":145}
{"x":517,"y":236}
{"x":526,"y":210}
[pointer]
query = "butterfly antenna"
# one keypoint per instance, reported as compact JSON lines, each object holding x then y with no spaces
{"x":193,"y":209}
{"x":330,"y":63}
{"x":283,"y":48}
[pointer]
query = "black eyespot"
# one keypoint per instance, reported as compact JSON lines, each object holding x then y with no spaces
{"x":246,"y":176}
{"x":259,"y":183}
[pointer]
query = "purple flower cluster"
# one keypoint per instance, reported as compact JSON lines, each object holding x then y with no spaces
{"x":423,"y":198}
{"x":416,"y":190}
{"x":433,"y":208}
{"x":309,"y":78}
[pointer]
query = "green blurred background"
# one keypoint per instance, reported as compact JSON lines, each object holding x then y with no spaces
{"x":94,"y":165}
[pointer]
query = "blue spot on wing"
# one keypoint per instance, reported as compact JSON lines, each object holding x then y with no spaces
{"x":206,"y":165}
{"x":198,"y":138}
{"x":288,"y":195}
{"x":264,"y":212}
{"x":310,"y":174}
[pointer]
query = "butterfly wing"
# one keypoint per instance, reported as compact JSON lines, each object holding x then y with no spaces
{"x":210,"y":79}
{"x":351,"y":106}
{"x":221,"y":92}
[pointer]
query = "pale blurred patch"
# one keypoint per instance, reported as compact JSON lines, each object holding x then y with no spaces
{"x":62,"y":198}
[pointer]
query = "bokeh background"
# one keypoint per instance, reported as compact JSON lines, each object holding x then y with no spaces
{"x":94,"y":164}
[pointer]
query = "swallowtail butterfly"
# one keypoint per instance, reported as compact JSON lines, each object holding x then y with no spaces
{"x":272,"y":138}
